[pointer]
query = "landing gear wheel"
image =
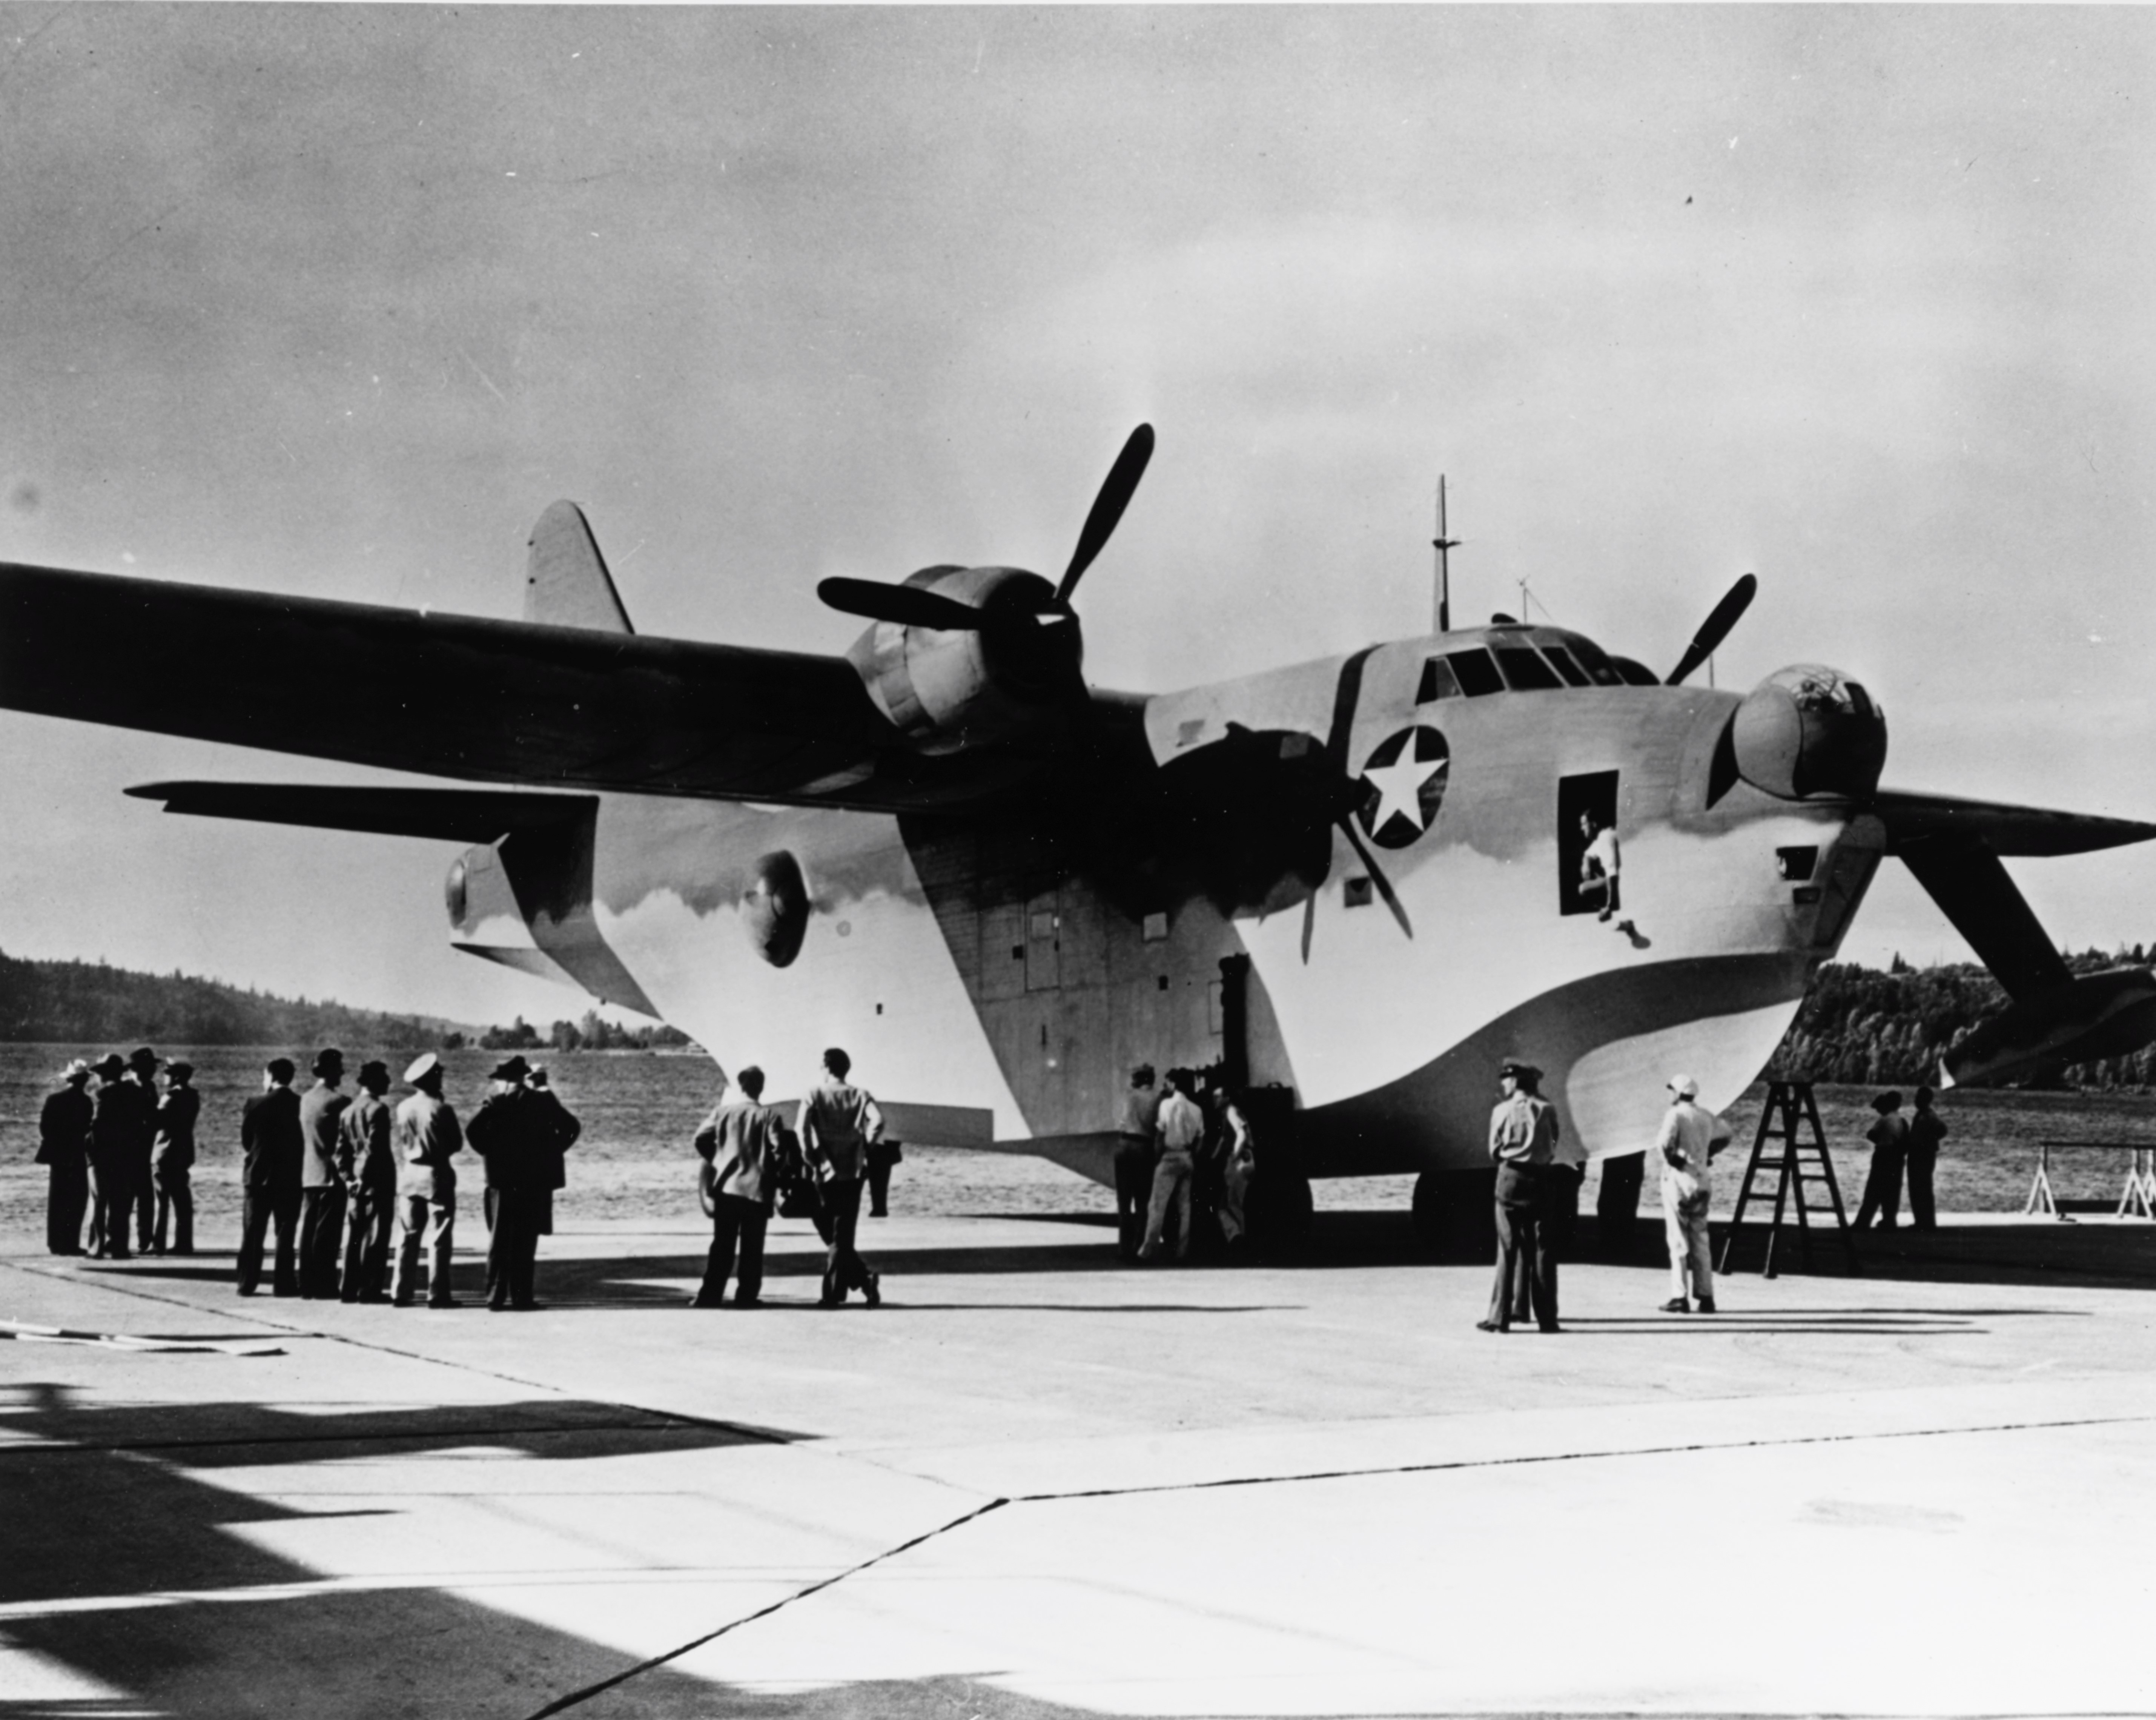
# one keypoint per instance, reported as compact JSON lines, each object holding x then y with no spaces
{"x":1280,"y":1213}
{"x":1454,"y":1215}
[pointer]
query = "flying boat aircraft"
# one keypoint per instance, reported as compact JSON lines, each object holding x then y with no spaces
{"x":1354,"y":884}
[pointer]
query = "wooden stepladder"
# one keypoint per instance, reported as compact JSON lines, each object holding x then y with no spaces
{"x":1792,"y":1144}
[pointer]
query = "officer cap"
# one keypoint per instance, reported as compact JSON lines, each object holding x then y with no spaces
{"x":142,"y":1057}
{"x":423,"y":1066}
{"x":1684,"y":1086}
{"x":1519,"y":1071}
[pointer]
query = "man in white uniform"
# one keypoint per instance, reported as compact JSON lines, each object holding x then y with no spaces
{"x":1686,"y":1145}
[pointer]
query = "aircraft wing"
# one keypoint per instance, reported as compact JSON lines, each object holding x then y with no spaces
{"x":467,"y":815}
{"x":1911,"y":818}
{"x":460,"y":696}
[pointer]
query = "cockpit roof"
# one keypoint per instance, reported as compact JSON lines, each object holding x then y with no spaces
{"x":1517,"y":657}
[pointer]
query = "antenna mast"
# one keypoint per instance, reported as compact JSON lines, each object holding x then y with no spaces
{"x":1444,"y":545}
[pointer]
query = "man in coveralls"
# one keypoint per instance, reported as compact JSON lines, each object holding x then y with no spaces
{"x":367,"y":1165}
{"x":428,"y":1138}
{"x":837,"y":1121}
{"x":742,"y":1142}
{"x":64,"y":1149}
{"x":273,"y":1146}
{"x":1523,"y":1137}
{"x":321,"y":1191}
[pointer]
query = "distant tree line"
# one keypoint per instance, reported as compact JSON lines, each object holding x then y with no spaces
{"x":93,"y":1004}
{"x":1872,"y":1029}
{"x":591,"y":1033}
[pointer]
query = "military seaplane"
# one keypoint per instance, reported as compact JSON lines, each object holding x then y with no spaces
{"x":1354,"y":884}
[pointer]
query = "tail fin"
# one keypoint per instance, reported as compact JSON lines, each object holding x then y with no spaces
{"x":565,"y":582}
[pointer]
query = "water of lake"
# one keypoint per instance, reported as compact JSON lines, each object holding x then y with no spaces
{"x":639,"y":1110}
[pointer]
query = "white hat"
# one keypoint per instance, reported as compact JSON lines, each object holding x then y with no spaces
{"x":1684,"y":1086}
{"x":76,"y":1066}
{"x":422,"y":1065}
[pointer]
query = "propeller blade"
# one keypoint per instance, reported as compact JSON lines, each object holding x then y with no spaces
{"x":904,"y":605}
{"x":1377,"y":877}
{"x":1716,"y":629}
{"x":1115,"y":492}
{"x":1309,"y":922}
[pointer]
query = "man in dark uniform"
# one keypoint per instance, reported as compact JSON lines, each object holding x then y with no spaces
{"x":272,"y":1148}
{"x":64,"y":1149}
{"x":113,"y":1127}
{"x":742,"y":1143}
{"x":1134,"y":1160}
{"x":1890,"y":1145}
{"x":507,"y":1131}
{"x":321,"y":1191}
{"x":1523,"y":1137}
{"x":367,"y":1166}
{"x":172,"y":1161}
{"x":837,"y":1121}
{"x":142,"y":1076}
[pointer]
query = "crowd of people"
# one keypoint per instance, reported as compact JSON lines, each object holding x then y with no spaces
{"x":337,"y":1177}
{"x":330,"y":1175}
{"x":1184,"y":1166}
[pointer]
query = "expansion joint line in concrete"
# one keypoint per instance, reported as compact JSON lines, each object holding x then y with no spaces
{"x":561,"y":1704}
{"x":672,"y":1417}
{"x":1616,"y":1451}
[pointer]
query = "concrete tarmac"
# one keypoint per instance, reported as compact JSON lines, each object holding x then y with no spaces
{"x":1037,"y":1482}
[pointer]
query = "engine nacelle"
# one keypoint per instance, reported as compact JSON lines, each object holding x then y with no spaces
{"x":1015,"y":675}
{"x":1808,"y":730}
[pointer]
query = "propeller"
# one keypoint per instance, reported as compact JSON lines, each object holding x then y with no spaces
{"x":910,"y":606}
{"x":1350,"y":793}
{"x":1117,"y":490}
{"x":1716,"y":628}
{"x":904,"y":605}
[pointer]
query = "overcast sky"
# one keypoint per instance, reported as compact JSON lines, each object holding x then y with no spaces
{"x":336,"y":301}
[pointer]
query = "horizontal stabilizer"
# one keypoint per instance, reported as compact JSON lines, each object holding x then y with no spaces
{"x":2098,"y":1015}
{"x":2004,"y":829}
{"x":565,"y":582}
{"x":470,"y":815}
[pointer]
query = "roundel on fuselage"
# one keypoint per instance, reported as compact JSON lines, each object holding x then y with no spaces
{"x":776,"y":908}
{"x":1403,"y":785}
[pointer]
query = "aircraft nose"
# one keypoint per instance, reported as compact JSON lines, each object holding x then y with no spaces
{"x":1809,"y":730}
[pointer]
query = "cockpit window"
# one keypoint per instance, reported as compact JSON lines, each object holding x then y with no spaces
{"x":1475,"y":673}
{"x":1525,"y":671}
{"x":1596,"y":662}
{"x":1562,"y":659}
{"x":1438,"y":681}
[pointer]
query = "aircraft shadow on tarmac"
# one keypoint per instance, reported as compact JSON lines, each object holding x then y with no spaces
{"x":147,"y":1572}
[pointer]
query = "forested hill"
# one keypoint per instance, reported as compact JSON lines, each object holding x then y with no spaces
{"x":91,"y":1004}
{"x":1861,"y":1025}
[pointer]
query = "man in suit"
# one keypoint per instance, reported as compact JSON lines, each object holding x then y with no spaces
{"x":509,"y":1132}
{"x":172,"y":1161}
{"x":143,"y":1077}
{"x":837,"y":1123}
{"x":428,"y":1138}
{"x":321,"y":1223}
{"x":272,"y":1148}
{"x":64,"y":1149}
{"x":367,"y":1166}
{"x":113,"y":1126}
{"x":742,"y":1143}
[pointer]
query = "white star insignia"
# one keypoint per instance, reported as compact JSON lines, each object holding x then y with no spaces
{"x":1400,"y":787}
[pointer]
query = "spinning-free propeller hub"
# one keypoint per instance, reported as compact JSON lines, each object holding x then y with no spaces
{"x":1808,"y":729}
